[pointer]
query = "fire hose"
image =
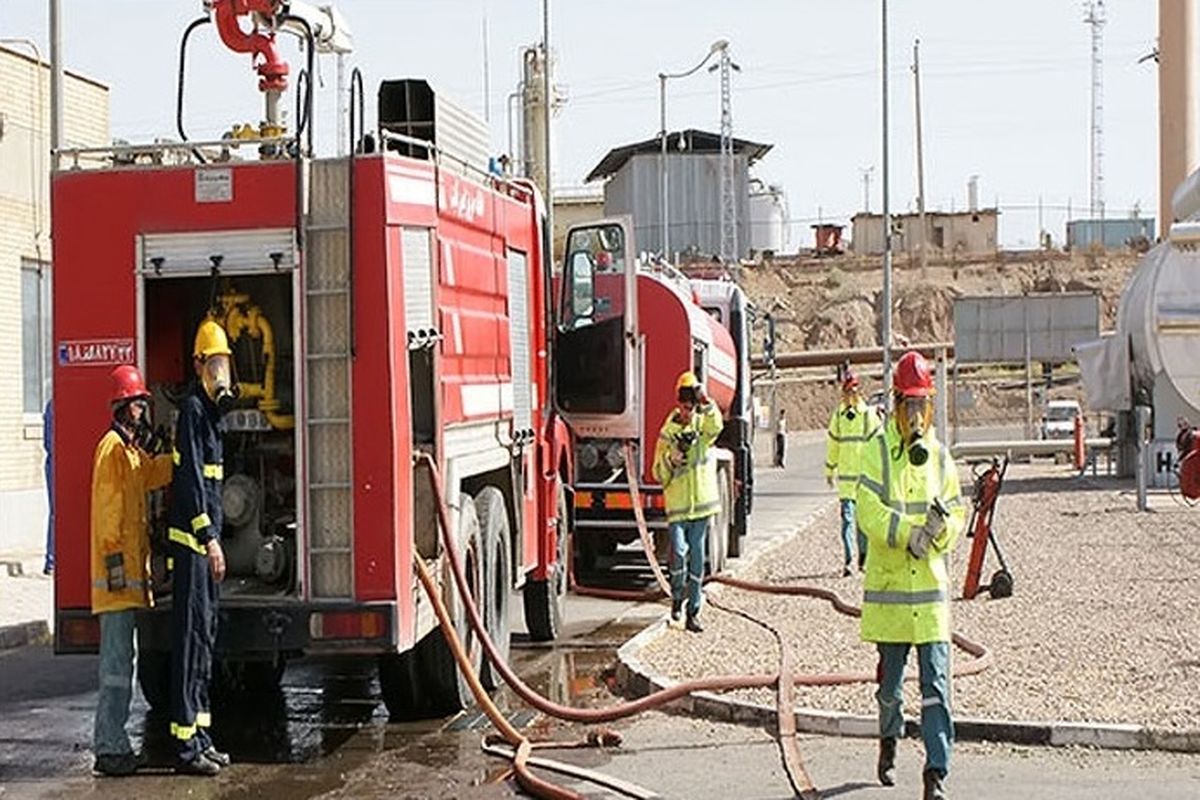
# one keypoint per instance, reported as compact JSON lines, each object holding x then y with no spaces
{"x":522,"y":747}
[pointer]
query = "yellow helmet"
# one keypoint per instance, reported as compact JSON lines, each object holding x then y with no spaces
{"x":687,"y":380}
{"x":211,"y":340}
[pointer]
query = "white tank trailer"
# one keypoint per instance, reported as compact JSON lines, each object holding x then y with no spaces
{"x":1153,"y":356}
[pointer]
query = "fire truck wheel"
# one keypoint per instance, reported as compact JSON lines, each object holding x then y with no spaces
{"x":496,"y":538}
{"x":544,"y":599}
{"x":450,"y":680}
{"x":154,"y":676}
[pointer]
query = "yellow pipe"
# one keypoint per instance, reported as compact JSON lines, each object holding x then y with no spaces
{"x":255,"y":324}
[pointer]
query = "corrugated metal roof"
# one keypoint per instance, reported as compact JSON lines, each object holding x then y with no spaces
{"x":694,"y":141}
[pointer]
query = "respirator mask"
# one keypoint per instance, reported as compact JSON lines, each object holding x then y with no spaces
{"x":216,"y":375}
{"x":913,"y":416}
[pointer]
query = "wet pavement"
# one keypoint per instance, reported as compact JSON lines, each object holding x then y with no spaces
{"x":326,"y":734}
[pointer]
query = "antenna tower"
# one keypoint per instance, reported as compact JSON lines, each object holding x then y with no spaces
{"x":729,"y":242}
{"x":1094,"y":15}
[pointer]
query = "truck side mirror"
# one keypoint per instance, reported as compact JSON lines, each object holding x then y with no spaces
{"x":581,"y":286}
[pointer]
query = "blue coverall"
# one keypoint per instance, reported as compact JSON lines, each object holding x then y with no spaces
{"x":194,"y":519}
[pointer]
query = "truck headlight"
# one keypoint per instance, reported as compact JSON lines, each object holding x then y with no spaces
{"x":589,"y":456}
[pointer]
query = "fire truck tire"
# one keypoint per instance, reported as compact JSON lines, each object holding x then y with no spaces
{"x":449,"y":679}
{"x":496,"y":538}
{"x":243,"y":679}
{"x":544,"y":599}
{"x":425,"y":682}
{"x":154,"y":676}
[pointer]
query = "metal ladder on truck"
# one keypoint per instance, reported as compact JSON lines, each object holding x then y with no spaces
{"x":328,"y":355}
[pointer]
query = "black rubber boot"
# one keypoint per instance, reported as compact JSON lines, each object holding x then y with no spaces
{"x":676,"y":610}
{"x":693,"y":625}
{"x":935,"y":788}
{"x":886,"y":769}
{"x":117,"y":766}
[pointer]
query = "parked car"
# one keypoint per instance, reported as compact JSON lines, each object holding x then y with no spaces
{"x":1058,"y":420}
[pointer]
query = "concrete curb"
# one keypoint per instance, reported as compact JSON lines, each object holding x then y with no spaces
{"x":24,"y":633}
{"x":637,"y":678}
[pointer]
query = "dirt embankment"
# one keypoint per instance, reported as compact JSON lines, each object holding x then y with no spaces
{"x":830,"y":303}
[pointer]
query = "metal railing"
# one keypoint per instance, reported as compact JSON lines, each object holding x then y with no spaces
{"x":112,"y":151}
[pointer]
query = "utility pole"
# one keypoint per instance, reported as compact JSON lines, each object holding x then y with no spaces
{"x":866,"y":173}
{"x":56,"y":82}
{"x":887,"y":231}
{"x":1094,"y":16}
{"x":924,"y":243}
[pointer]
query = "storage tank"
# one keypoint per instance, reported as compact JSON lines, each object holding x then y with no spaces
{"x":768,"y":218}
{"x":1159,"y":318}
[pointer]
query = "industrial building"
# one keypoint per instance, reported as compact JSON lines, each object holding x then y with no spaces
{"x":1111,"y":234}
{"x":959,"y":233}
{"x":574,"y":205}
{"x":632,"y":187}
{"x":26,"y":352}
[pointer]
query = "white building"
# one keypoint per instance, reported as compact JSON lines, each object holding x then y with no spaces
{"x":25,"y":346}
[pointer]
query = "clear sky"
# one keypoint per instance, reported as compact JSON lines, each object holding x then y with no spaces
{"x":1005,"y":86}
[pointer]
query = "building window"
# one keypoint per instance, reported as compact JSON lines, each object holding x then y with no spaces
{"x":35,"y":335}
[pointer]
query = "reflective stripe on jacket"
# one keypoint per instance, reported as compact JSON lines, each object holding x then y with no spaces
{"x":689,"y":489}
{"x":906,"y":599}
{"x":121,"y":476}
{"x":195,"y":515}
{"x":844,"y":442}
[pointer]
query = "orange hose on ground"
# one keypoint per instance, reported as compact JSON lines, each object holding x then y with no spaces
{"x":521,"y":747}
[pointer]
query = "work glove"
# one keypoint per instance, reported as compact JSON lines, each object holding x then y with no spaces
{"x":114,"y":567}
{"x":924,"y":535}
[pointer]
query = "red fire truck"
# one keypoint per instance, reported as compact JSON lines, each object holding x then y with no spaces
{"x":628,"y":326}
{"x":380,"y":306}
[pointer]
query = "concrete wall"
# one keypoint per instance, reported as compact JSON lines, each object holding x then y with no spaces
{"x":25,"y":239}
{"x":968,"y":232}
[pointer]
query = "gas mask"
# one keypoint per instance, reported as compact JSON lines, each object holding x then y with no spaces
{"x":216,"y":375}
{"x":913,"y":416}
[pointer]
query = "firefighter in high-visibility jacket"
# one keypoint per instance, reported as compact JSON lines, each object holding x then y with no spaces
{"x":123,"y":471}
{"x":911,"y":510}
{"x":685,"y":467}
{"x":194,"y":536}
{"x":851,"y":425}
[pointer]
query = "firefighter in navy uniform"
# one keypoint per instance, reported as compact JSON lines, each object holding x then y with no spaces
{"x":194,"y":534}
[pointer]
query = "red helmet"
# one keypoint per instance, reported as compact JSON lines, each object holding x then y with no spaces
{"x":127,"y":384}
{"x":849,"y":381}
{"x":912,"y":377}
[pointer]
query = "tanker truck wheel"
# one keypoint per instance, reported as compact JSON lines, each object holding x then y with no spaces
{"x":544,"y":599}
{"x":497,"y":576}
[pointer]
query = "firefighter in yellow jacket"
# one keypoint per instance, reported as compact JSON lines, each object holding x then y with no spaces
{"x":911,"y":510}
{"x":851,"y":425}
{"x":684,"y":465}
{"x":122,"y":473}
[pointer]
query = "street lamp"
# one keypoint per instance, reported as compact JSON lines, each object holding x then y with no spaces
{"x":664,"y":206}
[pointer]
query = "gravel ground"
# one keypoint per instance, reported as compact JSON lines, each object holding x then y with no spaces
{"x":1102,"y":626}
